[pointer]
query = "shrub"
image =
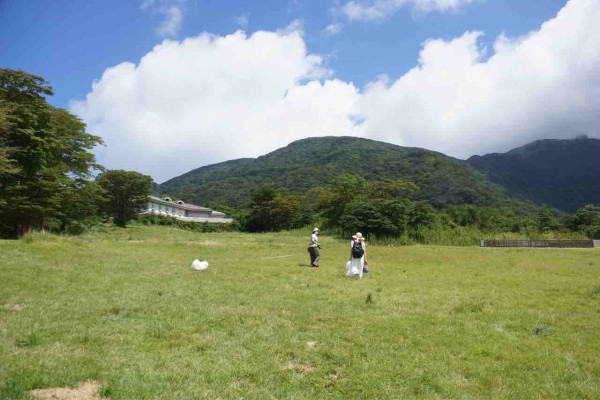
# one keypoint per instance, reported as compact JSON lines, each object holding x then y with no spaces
{"x":164,"y":220}
{"x":76,"y":228}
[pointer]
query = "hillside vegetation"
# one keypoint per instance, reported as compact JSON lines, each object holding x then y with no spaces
{"x":122,"y":307}
{"x":564,"y":174}
{"x":314,"y":162}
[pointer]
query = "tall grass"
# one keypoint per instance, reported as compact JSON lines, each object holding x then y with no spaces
{"x":466,"y":236}
{"x":36,"y":236}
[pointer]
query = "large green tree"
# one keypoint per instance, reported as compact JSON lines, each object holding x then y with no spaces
{"x":485,"y":218}
{"x":373,"y":207}
{"x":343,"y":190}
{"x":587,"y":219}
{"x":8,"y":165}
{"x":368,"y":217}
{"x":545,"y":219}
{"x":272,"y":211}
{"x":127,"y":191}
{"x":44,"y":154}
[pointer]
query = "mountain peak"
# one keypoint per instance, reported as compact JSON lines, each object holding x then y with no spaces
{"x":563,"y":173}
{"x":311,"y":162}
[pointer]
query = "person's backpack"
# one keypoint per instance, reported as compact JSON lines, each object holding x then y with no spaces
{"x":357,"y":250}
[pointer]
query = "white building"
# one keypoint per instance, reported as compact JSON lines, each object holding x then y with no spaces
{"x":183,"y":211}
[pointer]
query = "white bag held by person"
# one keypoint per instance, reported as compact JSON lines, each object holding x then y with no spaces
{"x":199,"y":265}
{"x":351,"y":269}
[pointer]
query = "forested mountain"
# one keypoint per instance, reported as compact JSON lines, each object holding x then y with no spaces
{"x":313,"y":162}
{"x":564,"y":174}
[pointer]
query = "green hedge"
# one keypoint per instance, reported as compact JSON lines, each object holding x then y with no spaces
{"x":164,"y":220}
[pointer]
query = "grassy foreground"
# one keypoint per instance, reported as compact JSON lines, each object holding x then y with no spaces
{"x":123,"y":307}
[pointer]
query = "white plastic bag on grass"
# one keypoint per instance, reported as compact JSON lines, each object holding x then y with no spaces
{"x":198,"y":265}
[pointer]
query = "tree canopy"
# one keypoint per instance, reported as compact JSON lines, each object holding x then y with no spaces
{"x":127,"y":191}
{"x":44,"y":154}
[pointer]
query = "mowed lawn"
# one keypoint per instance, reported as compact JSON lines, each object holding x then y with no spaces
{"x":123,"y":307}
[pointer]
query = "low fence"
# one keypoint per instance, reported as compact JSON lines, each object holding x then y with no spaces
{"x":541,"y":243}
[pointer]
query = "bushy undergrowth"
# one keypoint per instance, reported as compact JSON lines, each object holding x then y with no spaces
{"x":163,"y":220}
{"x":437,"y":234}
{"x":39,"y":236}
{"x":465,"y":236}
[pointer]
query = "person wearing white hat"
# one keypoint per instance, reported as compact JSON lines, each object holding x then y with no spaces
{"x":358,"y":252}
{"x":313,"y":249}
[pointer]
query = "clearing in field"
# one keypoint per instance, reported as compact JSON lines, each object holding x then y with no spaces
{"x":122,"y":307}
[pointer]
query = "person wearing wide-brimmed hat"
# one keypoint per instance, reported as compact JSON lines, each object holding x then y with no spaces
{"x":358,"y":254}
{"x":313,"y":248}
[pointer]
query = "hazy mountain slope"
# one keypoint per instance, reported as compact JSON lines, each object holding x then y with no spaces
{"x":315,"y":161}
{"x":564,"y":174}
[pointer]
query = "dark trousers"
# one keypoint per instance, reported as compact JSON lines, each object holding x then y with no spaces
{"x":314,"y":256}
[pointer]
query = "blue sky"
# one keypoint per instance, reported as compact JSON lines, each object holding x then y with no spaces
{"x":371,"y":68}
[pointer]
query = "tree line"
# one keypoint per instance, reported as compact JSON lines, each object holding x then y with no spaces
{"x":47,"y":169}
{"x":385,"y":209}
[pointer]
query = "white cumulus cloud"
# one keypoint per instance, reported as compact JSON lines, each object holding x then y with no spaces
{"x":213,"y":98}
{"x":208,"y":99}
{"x":372,"y":10}
{"x":333,"y":29}
{"x":171,"y":12}
{"x":543,"y":85}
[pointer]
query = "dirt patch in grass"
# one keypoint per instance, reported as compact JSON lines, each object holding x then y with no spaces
{"x":13,"y":307}
{"x":85,"y":391}
{"x":295,"y":365}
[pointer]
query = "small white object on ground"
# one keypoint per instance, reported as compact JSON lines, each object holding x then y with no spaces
{"x":354,"y":267}
{"x":199,"y":265}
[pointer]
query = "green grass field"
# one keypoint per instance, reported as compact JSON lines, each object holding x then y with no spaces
{"x":122,"y":307}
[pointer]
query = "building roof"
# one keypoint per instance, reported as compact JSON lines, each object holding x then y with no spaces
{"x":184,"y":206}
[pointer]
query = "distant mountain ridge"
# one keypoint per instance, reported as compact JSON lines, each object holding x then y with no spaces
{"x":311,"y":162}
{"x":564,"y":174}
